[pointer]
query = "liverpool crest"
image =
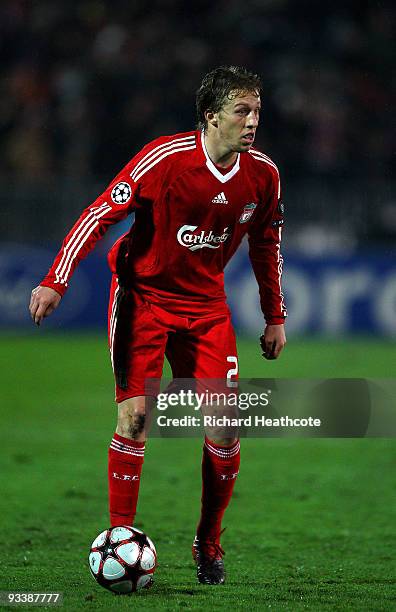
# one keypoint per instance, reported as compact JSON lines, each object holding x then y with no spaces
{"x":247,"y":212}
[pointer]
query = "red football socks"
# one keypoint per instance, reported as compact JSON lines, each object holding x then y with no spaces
{"x":220,"y":466}
{"x":125,"y":465}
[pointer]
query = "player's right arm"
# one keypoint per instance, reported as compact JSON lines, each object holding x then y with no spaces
{"x":140,"y":183}
{"x":113,"y":205}
{"x":88,"y":229}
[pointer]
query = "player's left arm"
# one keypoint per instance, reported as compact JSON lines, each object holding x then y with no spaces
{"x":265,"y":235}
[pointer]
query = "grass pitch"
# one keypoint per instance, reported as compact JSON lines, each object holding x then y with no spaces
{"x":311,"y":525}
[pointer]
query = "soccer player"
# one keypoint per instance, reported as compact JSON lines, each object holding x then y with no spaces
{"x":195,"y":195}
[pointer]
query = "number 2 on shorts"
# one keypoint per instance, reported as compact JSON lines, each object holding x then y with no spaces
{"x":232,"y":371}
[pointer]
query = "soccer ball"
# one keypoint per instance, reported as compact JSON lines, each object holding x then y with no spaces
{"x":123,"y":559}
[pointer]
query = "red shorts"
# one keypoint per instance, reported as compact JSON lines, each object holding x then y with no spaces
{"x":142,"y":333}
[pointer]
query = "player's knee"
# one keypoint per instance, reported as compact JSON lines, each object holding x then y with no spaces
{"x":132,"y":418}
{"x":132,"y":426}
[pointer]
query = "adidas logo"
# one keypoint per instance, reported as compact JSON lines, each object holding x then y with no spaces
{"x":220,"y":199}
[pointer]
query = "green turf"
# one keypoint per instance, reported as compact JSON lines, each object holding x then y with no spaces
{"x":311,"y":526}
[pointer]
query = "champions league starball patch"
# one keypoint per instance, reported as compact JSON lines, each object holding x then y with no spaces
{"x":121,"y":193}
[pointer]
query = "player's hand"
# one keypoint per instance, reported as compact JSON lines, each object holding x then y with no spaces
{"x":272,"y":341}
{"x":44,"y":300}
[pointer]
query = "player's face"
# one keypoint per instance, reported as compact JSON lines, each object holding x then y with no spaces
{"x":238,"y":121}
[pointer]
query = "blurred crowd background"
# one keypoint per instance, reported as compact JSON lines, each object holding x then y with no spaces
{"x":85,"y":84}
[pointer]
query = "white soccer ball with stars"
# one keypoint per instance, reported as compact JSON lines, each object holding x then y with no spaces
{"x":121,"y":193}
{"x":123,"y":559}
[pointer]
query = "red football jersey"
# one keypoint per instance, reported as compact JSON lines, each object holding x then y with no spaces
{"x":190,"y":217}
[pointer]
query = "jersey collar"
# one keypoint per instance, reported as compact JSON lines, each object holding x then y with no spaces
{"x":223,"y":178}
